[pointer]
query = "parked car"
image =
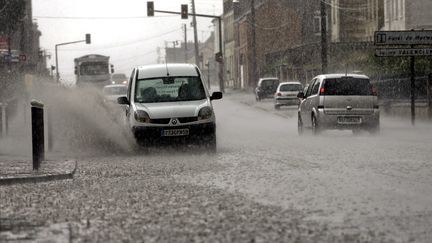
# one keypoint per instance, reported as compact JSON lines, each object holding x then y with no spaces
{"x":286,"y":94}
{"x":169,"y":102}
{"x":266,"y":88}
{"x":119,"y":78}
{"x":339,"y":101}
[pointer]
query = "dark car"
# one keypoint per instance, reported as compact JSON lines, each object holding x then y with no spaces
{"x":266,"y":88}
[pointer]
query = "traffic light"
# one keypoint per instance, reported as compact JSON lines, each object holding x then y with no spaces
{"x":88,"y":38}
{"x":219,"y":57}
{"x":150,"y":8}
{"x":184,"y":11}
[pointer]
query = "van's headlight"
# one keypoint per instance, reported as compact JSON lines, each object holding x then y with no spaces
{"x":141,"y":116}
{"x":205,"y":113}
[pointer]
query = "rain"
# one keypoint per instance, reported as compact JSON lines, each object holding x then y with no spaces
{"x":256,"y":121}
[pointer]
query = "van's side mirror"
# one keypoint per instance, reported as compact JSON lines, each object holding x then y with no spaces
{"x":300,"y":95}
{"x":123,"y":100}
{"x":216,"y":96}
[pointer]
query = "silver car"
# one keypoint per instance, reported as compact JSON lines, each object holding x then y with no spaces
{"x":112,"y":92}
{"x":286,"y":94}
{"x":339,"y":101}
{"x":169,"y":103}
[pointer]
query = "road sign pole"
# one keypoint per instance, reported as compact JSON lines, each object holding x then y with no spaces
{"x":57,"y":66}
{"x":429,"y":94}
{"x":412,"y":63}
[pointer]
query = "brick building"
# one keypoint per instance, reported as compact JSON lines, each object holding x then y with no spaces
{"x":286,"y":39}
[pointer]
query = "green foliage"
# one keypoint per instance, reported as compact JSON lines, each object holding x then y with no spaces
{"x":397,"y":66}
{"x":11,"y":14}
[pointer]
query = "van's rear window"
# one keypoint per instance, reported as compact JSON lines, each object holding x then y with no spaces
{"x":347,"y":86}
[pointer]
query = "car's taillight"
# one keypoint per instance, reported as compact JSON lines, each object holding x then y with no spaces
{"x":279,"y":94}
{"x":322,"y":91}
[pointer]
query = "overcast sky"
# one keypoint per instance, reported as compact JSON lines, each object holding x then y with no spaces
{"x":116,"y":31}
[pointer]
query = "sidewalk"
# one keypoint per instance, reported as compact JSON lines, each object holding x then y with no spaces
{"x":16,"y":156}
{"x":13,"y":171}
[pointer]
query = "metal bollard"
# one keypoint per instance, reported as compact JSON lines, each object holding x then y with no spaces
{"x":38,"y":139}
{"x":49,"y":132}
{"x":3,"y":120}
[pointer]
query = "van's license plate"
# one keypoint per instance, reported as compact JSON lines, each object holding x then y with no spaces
{"x":175,"y":132}
{"x":349,"y":120}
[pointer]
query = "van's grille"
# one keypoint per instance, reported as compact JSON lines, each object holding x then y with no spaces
{"x":160,"y":121}
{"x":167,"y":120}
{"x":188,"y":119}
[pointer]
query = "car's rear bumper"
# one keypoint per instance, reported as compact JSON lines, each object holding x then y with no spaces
{"x":153,"y":135}
{"x":287,"y":101}
{"x":334,"y":121}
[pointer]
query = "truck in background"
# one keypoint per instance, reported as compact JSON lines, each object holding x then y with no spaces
{"x":93,"y":69}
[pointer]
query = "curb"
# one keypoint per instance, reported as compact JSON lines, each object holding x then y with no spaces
{"x":39,"y":178}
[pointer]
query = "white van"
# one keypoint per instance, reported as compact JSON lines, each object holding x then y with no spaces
{"x":169,"y":102}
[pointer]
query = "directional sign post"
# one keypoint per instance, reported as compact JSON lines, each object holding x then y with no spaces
{"x":421,"y":37}
{"x":403,"y":52}
{"x":412,"y":38}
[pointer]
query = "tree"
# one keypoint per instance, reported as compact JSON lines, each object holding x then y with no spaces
{"x":12,"y":13}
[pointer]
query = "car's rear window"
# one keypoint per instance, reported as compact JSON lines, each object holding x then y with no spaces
{"x":115,"y":90}
{"x":291,"y":87}
{"x":347,"y":86}
{"x":269,"y":83}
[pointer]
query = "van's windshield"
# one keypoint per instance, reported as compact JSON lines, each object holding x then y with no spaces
{"x":169,"y":90}
{"x":347,"y":86}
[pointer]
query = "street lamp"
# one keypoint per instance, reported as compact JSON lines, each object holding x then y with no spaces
{"x":87,"y":40}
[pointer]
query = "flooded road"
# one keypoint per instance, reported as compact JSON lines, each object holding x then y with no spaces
{"x":265,"y":183}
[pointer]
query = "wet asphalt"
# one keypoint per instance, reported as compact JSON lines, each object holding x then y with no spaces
{"x":265,"y":183}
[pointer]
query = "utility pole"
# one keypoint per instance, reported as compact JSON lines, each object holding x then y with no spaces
{"x":185,"y":43}
{"x":323,"y":37}
{"x":254,"y":53}
{"x":195,"y":34}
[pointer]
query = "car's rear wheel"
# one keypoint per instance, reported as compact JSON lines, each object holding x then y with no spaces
{"x":299,"y":125}
{"x":315,"y":126}
{"x":277,"y":107}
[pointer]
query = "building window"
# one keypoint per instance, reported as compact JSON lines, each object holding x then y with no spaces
{"x":401,"y":8}
{"x":396,"y":9}
{"x":317,"y":25}
{"x":334,"y":9}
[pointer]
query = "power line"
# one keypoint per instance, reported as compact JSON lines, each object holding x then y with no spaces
{"x":117,"y":45}
{"x":100,"y":17}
